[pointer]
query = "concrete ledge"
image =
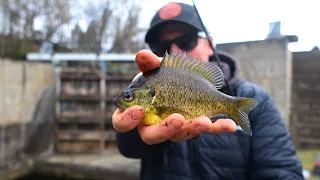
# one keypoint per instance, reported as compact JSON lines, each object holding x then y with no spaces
{"x":109,"y":165}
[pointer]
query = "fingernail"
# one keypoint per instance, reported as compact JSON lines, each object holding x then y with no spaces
{"x":202,"y":129}
{"x":137,"y":114}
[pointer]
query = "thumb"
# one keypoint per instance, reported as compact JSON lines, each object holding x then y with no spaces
{"x":146,"y":60}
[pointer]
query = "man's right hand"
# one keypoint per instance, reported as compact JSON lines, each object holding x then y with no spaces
{"x":174,"y":127}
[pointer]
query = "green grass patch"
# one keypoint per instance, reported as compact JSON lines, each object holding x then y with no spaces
{"x":307,"y":157}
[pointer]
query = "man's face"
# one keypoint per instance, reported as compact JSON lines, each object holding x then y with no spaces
{"x":201,"y":50}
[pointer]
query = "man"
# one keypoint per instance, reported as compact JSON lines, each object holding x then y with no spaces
{"x":201,"y":149}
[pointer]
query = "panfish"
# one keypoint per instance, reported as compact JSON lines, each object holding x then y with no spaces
{"x":187,"y":86}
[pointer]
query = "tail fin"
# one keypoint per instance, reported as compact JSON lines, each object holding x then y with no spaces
{"x":243,"y":107}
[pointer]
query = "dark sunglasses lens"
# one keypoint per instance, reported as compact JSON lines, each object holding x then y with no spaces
{"x":187,"y":42}
{"x":159,"y":49}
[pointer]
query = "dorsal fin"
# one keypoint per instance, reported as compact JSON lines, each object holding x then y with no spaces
{"x":207,"y":70}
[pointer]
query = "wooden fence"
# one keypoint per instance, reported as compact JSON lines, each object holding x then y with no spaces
{"x":84,"y":105}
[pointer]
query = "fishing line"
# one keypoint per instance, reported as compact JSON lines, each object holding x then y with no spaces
{"x":213,"y":48}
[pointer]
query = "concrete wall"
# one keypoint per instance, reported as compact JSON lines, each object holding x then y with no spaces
{"x":21,"y":143}
{"x":21,"y":84}
{"x":27,"y":108}
{"x":268,"y":64}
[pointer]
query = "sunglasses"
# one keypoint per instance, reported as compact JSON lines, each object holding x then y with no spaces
{"x":185,"y":42}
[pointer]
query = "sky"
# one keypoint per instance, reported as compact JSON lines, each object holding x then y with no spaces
{"x":246,"y":20}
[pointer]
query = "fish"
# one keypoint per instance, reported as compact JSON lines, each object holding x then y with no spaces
{"x":185,"y":85}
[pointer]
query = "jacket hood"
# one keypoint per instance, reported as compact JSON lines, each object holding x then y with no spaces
{"x":230,"y":67}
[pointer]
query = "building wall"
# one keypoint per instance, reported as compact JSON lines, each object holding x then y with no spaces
{"x":268,"y":64}
{"x":305,"y":124}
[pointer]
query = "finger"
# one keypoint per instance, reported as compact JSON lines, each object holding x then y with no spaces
{"x":223,"y":125}
{"x":158,"y":133}
{"x":146,"y":60}
{"x":128,"y":119}
{"x":194,"y":128}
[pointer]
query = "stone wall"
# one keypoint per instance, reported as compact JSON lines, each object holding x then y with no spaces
{"x":268,"y":64}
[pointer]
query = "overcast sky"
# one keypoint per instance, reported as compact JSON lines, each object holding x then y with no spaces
{"x":244,"y":20}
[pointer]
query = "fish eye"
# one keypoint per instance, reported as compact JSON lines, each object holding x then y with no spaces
{"x":128,"y":96}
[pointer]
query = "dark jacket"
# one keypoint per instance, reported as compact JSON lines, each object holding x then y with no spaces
{"x":268,"y":154}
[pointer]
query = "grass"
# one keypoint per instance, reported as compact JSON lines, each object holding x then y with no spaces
{"x":307,"y":157}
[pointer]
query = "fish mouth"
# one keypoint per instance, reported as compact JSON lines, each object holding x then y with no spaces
{"x":117,"y":103}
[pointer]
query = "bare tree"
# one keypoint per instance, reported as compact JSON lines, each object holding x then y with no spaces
{"x":126,"y":37}
{"x":54,"y":14}
{"x":116,"y":23}
{"x":57,"y":14}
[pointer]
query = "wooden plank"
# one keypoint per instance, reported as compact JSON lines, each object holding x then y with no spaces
{"x":89,"y":115}
{"x":91,"y":76}
{"x":305,"y":112}
{"x":308,"y":133}
{"x":65,"y":97}
{"x":94,"y":77}
{"x":78,"y":147}
{"x":73,"y":114}
{"x":76,"y":77}
{"x":306,"y":93}
{"x":306,"y":109}
{"x":305,"y":100}
{"x":82,"y":120}
{"x":309,"y":140}
{"x":306,"y":118}
{"x":311,"y":91}
{"x":75,"y":70}
{"x":77,"y":135}
{"x":306,"y":76}
{"x":306,"y":125}
{"x":120,"y":78}
{"x":80,"y":88}
{"x":87,"y":98}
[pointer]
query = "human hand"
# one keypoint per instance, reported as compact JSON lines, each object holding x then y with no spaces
{"x":174,"y":127}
